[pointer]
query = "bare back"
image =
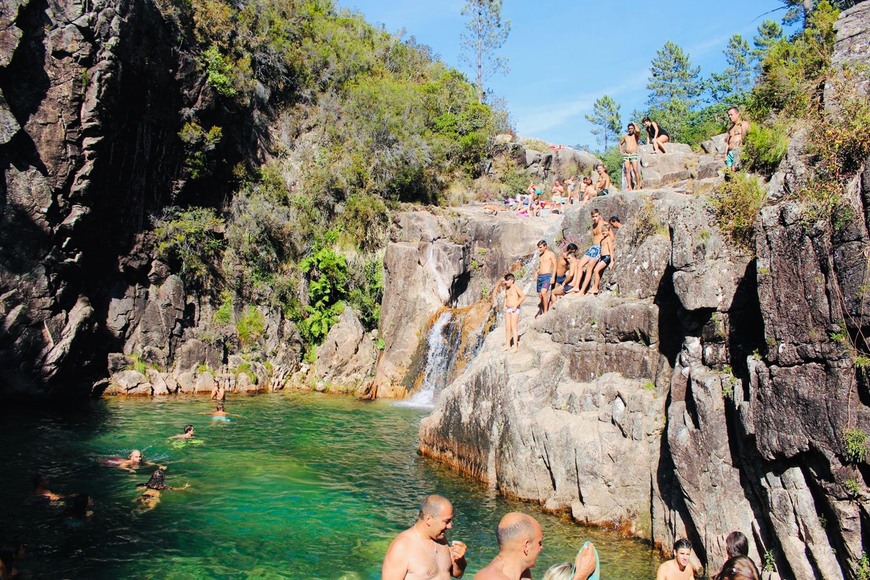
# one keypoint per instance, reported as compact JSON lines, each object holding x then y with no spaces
{"x":411,"y":557}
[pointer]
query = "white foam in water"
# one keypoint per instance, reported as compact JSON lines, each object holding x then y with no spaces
{"x":437,"y":366}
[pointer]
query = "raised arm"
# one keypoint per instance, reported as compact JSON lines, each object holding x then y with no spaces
{"x":584,"y":565}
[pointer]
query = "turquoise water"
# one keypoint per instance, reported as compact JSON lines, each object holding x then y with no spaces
{"x":292,"y":487}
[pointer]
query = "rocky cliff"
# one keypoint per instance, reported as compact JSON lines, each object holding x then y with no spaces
{"x":708,"y":389}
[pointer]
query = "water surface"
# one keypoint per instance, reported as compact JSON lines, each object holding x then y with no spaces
{"x":292,"y":487}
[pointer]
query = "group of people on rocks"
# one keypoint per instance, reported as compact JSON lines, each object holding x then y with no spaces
{"x":578,"y":189}
{"x":567,"y":273}
{"x":423,"y":551}
{"x":575,"y":189}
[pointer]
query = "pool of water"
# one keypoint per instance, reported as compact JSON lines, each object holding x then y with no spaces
{"x":292,"y":487}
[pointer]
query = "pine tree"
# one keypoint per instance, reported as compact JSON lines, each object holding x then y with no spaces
{"x":735,"y":81}
{"x":486,"y":32}
{"x":607,"y":120}
{"x":768,"y":34}
{"x":800,"y":10}
{"x":672,"y":77}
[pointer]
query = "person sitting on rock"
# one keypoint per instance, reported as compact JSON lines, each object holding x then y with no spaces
{"x":628,"y":147}
{"x":684,"y":566}
{"x":557,"y":194}
{"x":153,"y":488}
{"x":589,"y":191}
{"x":603,"y":180}
{"x":656,"y":136}
{"x":568,"y":283}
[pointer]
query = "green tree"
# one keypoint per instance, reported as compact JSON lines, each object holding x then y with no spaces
{"x":800,"y":10}
{"x":734,"y":82}
{"x":486,"y":32}
{"x":673,"y":78}
{"x":768,"y":34}
{"x":607,"y":120}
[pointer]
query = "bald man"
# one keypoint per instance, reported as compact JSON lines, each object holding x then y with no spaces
{"x":421,"y":552}
{"x":520,"y":542}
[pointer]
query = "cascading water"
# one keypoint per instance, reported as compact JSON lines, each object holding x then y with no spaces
{"x":439,"y":358}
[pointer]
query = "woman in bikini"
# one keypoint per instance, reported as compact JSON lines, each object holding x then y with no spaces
{"x":606,"y":258}
{"x":155,"y":486}
{"x":656,"y":136}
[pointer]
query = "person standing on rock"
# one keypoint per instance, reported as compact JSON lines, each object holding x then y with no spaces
{"x":603,"y":180}
{"x":734,"y":140}
{"x":628,"y":147}
{"x":513,"y":300}
{"x":684,"y":566}
{"x":583,"y":275}
{"x":656,"y":136}
{"x":606,"y":258}
{"x":422,"y":551}
{"x":520,"y":542}
{"x":546,"y":276}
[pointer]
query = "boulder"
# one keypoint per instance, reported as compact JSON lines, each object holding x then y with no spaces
{"x":679,"y":164}
{"x":130,"y":382}
{"x":347,"y":356}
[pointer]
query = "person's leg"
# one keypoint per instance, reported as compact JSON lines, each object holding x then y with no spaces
{"x":515,"y":323}
{"x":587,"y":277}
{"x":657,"y":144}
{"x":507,"y":330}
{"x":626,"y":174}
{"x":596,"y":273}
{"x":639,"y":180}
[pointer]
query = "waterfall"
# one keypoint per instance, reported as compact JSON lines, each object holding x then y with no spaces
{"x":439,"y":359}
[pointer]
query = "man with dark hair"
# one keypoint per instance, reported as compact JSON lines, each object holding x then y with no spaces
{"x":615,"y":222}
{"x":520,"y":542}
{"x":734,"y":140}
{"x":684,"y":566}
{"x":546,"y":276}
{"x":422,"y":551}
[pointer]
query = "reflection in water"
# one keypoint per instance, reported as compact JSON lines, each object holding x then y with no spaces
{"x":293,"y":487}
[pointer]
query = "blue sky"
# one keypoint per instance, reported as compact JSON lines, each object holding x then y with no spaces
{"x":564,"y":54}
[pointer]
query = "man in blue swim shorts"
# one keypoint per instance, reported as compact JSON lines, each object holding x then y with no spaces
{"x":590,"y":258}
{"x":546,"y":276}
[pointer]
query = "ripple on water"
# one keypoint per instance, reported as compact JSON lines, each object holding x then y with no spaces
{"x":293,"y":487}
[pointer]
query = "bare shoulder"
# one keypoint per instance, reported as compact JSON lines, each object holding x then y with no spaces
{"x":490,"y":573}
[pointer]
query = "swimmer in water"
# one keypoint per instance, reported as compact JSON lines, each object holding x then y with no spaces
{"x":40,"y":488}
{"x":219,"y":413}
{"x":135,"y":462}
{"x":188,"y":433}
{"x":155,"y":486}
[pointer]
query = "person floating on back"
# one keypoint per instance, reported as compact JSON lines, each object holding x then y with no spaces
{"x":628,"y":147}
{"x":656,"y":136}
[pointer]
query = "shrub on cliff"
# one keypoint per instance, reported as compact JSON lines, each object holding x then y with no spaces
{"x":765,"y":146}
{"x":736,"y":203}
{"x":190,"y":241}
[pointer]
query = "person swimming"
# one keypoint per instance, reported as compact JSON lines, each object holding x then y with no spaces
{"x":188,"y":433}
{"x":80,"y":511}
{"x":132,"y":463}
{"x":40,"y":488}
{"x":153,"y":489}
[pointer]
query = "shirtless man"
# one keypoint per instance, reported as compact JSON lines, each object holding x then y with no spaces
{"x":135,"y":461}
{"x":546,"y":276}
{"x":421,"y":551}
{"x":734,"y":140}
{"x":562,"y":264}
{"x":568,"y":283}
{"x":603,"y":180}
{"x":513,"y":301}
{"x":684,"y":566}
{"x":630,"y":158}
{"x":520,"y":542}
{"x":606,"y":258}
{"x":590,"y":258}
